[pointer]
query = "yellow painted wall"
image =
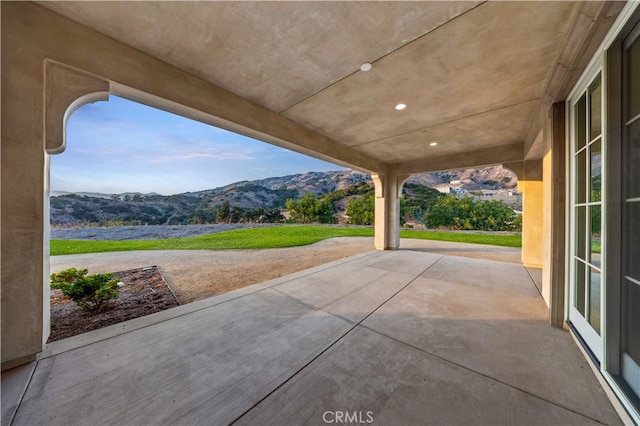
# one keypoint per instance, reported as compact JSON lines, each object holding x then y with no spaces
{"x":532,"y":209}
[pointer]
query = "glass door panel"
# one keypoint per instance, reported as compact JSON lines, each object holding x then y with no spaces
{"x":630,"y":291}
{"x":595,"y":106}
{"x":633,"y":84}
{"x":580,"y":127}
{"x":633,"y":314}
{"x":579,"y":286}
{"x":595,"y":162}
{"x":585,"y":314}
{"x":581,"y":176}
{"x":594,"y":299}
{"x":595,"y":242}
{"x":581,"y":245}
{"x":633,"y":157}
{"x":632,"y":240}
{"x":630,"y":361}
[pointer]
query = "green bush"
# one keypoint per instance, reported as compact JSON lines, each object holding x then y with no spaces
{"x":309,"y":209}
{"x":361,"y":210}
{"x":466,"y":213}
{"x":88,"y":292}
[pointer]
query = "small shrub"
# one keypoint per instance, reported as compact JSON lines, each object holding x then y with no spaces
{"x":88,"y":292}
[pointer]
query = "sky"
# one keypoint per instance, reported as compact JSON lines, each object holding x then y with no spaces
{"x":123,"y":146}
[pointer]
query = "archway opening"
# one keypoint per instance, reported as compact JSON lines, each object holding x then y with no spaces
{"x":132,"y":172}
{"x":496,"y":185}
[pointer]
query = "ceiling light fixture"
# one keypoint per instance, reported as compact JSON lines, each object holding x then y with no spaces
{"x":433,"y":144}
{"x":365,"y":67}
{"x":400,"y":107}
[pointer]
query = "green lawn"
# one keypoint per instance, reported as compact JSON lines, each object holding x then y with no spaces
{"x":506,"y":240}
{"x":271,"y":237}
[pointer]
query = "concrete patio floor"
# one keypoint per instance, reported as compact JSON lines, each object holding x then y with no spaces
{"x":402,"y":337}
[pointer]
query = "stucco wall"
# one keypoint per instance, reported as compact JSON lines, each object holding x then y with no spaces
{"x":23,"y":192}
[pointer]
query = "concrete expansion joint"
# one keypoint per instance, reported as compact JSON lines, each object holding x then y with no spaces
{"x":335,"y":342}
{"x":321,"y":309}
{"x":473,"y":371}
{"x":23,"y":391}
{"x":50,"y":349}
{"x":294,"y":374}
{"x":533,"y":282}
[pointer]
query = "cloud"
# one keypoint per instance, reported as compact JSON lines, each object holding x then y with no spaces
{"x":102,"y":151}
{"x":120,"y":146}
{"x":208,"y":153}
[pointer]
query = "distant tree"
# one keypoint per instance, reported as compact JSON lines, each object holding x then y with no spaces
{"x":236,"y":214}
{"x":223,"y":214}
{"x":272,"y":216}
{"x":404,"y":210}
{"x":309,"y":209}
{"x":361,"y":210}
{"x":203,"y":215}
{"x":254,"y":215}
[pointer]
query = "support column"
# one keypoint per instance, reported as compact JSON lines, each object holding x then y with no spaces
{"x":543,"y":186}
{"x":388,"y":189}
{"x":554,"y":165}
{"x":530,"y":184}
{"x":37,"y":100}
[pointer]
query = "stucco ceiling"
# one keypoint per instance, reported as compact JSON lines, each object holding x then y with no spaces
{"x":473,"y":74}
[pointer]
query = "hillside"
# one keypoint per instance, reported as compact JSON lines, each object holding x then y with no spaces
{"x":487,"y":178}
{"x":72,"y":209}
{"x":259,"y":200}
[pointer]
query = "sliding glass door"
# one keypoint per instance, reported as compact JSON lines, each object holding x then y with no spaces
{"x":630,"y":250}
{"x":586,"y":291}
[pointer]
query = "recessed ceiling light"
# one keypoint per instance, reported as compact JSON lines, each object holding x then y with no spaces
{"x":365,"y":67}
{"x":433,"y":144}
{"x":400,"y":107}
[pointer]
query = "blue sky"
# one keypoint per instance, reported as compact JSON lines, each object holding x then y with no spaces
{"x":122,"y":146}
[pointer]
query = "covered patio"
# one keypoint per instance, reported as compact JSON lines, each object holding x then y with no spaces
{"x":388,"y":337}
{"x":391,"y":89}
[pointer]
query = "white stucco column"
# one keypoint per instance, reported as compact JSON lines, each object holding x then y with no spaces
{"x":388,"y":189}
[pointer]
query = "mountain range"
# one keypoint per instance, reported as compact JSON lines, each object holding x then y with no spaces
{"x":270,"y":193}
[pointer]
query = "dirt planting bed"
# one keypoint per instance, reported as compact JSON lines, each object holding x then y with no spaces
{"x":144,"y":292}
